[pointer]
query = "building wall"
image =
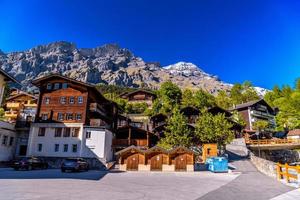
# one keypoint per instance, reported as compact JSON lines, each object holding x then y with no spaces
{"x":48,"y":141}
{"x":245,"y":116}
{"x":7,"y":130}
{"x":98,"y":145}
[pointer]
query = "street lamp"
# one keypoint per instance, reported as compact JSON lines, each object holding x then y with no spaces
{"x":257,"y":134}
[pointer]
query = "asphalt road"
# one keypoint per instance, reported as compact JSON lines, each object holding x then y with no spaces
{"x":250,"y":185}
{"x":97,"y":185}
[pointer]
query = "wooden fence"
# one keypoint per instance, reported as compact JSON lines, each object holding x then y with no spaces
{"x":272,"y":141}
{"x":285,"y":171}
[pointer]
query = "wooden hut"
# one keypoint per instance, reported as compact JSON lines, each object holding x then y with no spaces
{"x":131,"y":158}
{"x":209,"y":150}
{"x":182,"y":159}
{"x":156,"y":158}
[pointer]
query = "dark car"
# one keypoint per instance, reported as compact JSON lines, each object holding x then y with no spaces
{"x":30,"y":163}
{"x":74,"y":164}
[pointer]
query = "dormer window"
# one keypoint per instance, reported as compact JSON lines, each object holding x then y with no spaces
{"x":49,"y":86}
{"x":56,"y":86}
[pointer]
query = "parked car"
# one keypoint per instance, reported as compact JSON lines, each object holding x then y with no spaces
{"x":74,"y":164}
{"x":30,"y":163}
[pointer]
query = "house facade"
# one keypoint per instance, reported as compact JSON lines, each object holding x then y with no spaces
{"x":256,"y":110}
{"x":4,"y":79}
{"x":7,"y":141}
{"x":73,"y":120}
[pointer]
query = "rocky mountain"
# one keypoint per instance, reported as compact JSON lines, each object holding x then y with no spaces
{"x":108,"y":64}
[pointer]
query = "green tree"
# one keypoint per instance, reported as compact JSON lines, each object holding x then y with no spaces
{"x":170,"y":95}
{"x":213,"y":129}
{"x":236,"y":94}
{"x":2,"y":118}
{"x":177,"y":132}
{"x":223,"y":100}
{"x":297,"y":84}
{"x":204,"y":99}
{"x":187,"y":98}
{"x":237,"y":117}
{"x":261,"y":125}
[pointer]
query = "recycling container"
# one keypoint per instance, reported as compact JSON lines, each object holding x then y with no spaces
{"x":218,"y":164}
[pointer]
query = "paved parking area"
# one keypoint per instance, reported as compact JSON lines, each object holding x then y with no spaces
{"x":52,"y":184}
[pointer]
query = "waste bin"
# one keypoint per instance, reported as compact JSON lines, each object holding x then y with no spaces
{"x":218,"y":164}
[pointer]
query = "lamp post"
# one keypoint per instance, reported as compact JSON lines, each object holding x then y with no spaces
{"x":257,"y":134}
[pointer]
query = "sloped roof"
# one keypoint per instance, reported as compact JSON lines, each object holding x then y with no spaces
{"x":250,"y":103}
{"x":9,"y":77}
{"x":21,"y":94}
{"x":138,"y":90}
{"x":294,"y":132}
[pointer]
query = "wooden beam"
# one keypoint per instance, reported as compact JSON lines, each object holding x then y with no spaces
{"x":129,"y":136}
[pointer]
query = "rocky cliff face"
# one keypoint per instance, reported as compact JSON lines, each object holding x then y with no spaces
{"x":108,"y":64}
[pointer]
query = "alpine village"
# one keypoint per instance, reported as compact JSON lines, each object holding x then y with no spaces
{"x":165,"y":128}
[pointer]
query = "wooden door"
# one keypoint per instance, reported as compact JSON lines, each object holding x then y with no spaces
{"x":133,"y":162}
{"x":156,"y":162}
{"x":180,"y":162}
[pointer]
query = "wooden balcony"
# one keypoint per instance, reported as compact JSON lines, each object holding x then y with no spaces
{"x":273,"y":144}
{"x":127,"y":142}
{"x":12,"y":105}
{"x":30,"y":104}
{"x":11,"y":114}
{"x":95,"y":107}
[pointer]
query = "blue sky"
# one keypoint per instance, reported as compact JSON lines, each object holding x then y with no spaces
{"x":256,"y":40}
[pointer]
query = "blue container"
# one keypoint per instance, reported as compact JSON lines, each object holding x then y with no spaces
{"x":218,"y":164}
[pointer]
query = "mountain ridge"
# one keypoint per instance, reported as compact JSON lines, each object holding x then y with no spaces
{"x":107,"y":64}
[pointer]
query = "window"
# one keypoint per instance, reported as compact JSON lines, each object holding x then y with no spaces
{"x":75,"y":132}
{"x":47,"y":100}
{"x":58,"y":132}
{"x":66,"y":146}
{"x":72,"y":100}
{"x":49,"y":86}
{"x":4,"y":139}
{"x":64,"y":85}
{"x":44,"y":116}
{"x":60,"y":116}
{"x":63,"y":100}
{"x":40,"y":147}
{"x":69,"y":116}
{"x":67,"y":132}
{"x":78,"y":116}
{"x":88,"y":134}
{"x":11,"y":141}
{"x":56,"y":86}
{"x":42,"y":132}
{"x":80,"y":99}
{"x":56,"y":147}
{"x":74,"y":148}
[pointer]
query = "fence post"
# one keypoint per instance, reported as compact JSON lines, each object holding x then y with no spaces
{"x":279,"y":176}
{"x":298,"y":175}
{"x":287,"y":172}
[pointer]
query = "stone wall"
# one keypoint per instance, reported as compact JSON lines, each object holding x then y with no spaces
{"x":265,"y":166}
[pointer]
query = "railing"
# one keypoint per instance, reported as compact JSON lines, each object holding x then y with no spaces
{"x":29,"y":104}
{"x":12,"y":105}
{"x":126,"y":142}
{"x":272,"y":141}
{"x":11,"y":114}
{"x":285,"y":171}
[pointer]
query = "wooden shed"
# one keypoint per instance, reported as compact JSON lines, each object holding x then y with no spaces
{"x":182,"y":158}
{"x":209,"y":150}
{"x":130,"y":158}
{"x":156,"y":157}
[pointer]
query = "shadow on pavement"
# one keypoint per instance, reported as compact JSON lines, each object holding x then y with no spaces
{"x":9,"y":173}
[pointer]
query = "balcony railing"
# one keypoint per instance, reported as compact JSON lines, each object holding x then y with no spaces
{"x":272,"y":141}
{"x":11,"y":114}
{"x":12,"y":105}
{"x":29,"y":104}
{"x":126,"y":142}
{"x":94,"y":107}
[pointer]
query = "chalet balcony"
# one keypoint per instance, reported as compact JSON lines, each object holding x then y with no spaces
{"x":127,"y":142}
{"x":30,"y":104}
{"x":95,"y":107}
{"x":11,"y":114}
{"x":12,"y":105}
{"x":261,"y":114}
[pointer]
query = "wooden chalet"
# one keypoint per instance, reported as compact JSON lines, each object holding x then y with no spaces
{"x":156,"y":159}
{"x":140,"y":96}
{"x":67,"y":100}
